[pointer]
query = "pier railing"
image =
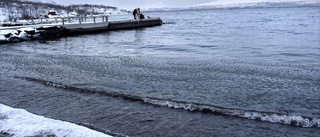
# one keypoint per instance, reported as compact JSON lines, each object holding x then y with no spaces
{"x":94,"y":19}
{"x":64,"y":20}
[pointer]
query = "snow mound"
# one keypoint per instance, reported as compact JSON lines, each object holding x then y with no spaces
{"x":19,"y":122}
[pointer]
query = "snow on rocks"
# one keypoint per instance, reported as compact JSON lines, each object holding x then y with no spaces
{"x":23,"y":34}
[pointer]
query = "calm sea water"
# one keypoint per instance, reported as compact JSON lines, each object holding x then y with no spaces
{"x":237,"y":72}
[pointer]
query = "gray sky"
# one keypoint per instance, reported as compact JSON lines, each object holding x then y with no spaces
{"x":143,"y":4}
{"x":131,"y":4}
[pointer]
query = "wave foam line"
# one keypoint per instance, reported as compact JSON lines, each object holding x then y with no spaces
{"x":299,"y":121}
{"x":273,"y":117}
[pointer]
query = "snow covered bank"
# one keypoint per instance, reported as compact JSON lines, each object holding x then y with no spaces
{"x":259,"y":3}
{"x":40,"y":1}
{"x":226,"y":4}
{"x":19,"y":122}
{"x":21,"y":10}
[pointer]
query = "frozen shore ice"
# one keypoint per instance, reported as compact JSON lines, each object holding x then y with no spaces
{"x":19,"y":122}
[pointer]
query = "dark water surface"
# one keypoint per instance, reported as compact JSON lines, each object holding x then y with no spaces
{"x":229,"y":72}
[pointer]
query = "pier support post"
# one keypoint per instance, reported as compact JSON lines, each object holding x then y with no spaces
{"x":79,"y":20}
{"x":106,"y":18}
{"x":62,"y":21}
{"x":94,"y":19}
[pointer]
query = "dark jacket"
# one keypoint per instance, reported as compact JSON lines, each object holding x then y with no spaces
{"x":134,"y":11}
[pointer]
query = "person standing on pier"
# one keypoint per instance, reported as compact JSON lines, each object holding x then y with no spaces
{"x":136,"y":13}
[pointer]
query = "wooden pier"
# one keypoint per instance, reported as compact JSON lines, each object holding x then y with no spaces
{"x":64,"y":26}
{"x":82,"y":24}
{"x":86,"y":27}
{"x":131,"y":24}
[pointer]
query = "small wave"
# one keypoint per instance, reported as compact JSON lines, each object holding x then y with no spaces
{"x":274,"y":117}
{"x":255,"y":115}
{"x":169,"y":23}
{"x":284,"y":119}
{"x":291,"y":54}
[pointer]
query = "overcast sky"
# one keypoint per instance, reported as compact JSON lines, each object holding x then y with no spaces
{"x":144,"y":4}
{"x":131,"y":4}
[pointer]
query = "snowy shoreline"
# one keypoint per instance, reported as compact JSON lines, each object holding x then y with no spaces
{"x":19,"y":122}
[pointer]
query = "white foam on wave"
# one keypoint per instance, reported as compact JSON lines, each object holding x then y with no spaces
{"x":284,"y":119}
{"x":263,"y":116}
{"x":19,"y":122}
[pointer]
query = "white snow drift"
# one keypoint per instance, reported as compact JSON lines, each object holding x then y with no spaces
{"x":19,"y":122}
